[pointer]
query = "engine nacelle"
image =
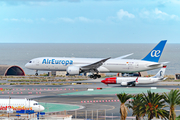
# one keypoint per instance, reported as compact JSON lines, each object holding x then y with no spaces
{"x":73,"y":70}
{"x":136,"y":83}
{"x":124,"y":83}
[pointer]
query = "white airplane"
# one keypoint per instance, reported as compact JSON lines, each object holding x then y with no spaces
{"x":75,"y":66}
{"x":127,"y":81}
{"x":20,"y":104}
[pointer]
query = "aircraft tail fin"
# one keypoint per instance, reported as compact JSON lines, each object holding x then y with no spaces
{"x":161,"y":73}
{"x":156,"y":52}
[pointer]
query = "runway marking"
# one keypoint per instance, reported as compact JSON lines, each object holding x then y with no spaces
{"x":73,"y":102}
{"x":103,"y":98}
{"x":109,"y":106}
{"x":103,"y":101}
{"x":109,"y":116}
{"x":130,"y":117}
{"x":55,"y":107}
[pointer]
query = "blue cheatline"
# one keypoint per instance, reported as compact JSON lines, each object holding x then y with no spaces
{"x":111,"y":91}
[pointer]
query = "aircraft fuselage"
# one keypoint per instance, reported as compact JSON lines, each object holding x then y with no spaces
{"x":110,"y":66}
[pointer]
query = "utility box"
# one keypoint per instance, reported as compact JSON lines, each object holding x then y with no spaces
{"x":58,"y":73}
{"x":177,"y":76}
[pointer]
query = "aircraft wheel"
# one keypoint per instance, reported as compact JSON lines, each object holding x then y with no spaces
{"x":95,"y":76}
{"x":36,"y":74}
{"x":99,"y":76}
{"x":91,"y":76}
{"x":133,"y":85}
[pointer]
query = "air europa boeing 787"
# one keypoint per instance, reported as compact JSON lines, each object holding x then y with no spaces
{"x":75,"y":66}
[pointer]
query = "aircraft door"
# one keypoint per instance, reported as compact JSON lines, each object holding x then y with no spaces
{"x":37,"y":62}
{"x":136,"y":65}
{"x":130,"y":65}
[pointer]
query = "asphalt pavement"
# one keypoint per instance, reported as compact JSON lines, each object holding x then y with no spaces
{"x":59,"y":94}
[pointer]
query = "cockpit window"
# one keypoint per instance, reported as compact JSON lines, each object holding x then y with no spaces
{"x":35,"y":104}
{"x":30,"y":61}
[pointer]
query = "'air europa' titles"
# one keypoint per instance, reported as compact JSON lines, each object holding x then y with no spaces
{"x":54,"y":61}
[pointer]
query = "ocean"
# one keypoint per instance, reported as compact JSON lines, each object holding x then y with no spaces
{"x":21,"y":53}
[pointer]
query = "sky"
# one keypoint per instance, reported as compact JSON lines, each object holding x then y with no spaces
{"x":89,"y":21}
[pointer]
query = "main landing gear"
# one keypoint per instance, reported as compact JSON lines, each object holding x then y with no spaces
{"x":95,"y":76}
{"x":36,"y":74}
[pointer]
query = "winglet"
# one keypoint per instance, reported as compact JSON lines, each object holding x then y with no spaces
{"x":156,"y":52}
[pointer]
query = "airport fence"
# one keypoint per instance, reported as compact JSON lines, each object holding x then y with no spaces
{"x":83,"y":114}
{"x":88,"y":114}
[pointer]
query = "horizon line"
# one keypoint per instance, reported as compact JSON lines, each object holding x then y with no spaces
{"x":82,"y":43}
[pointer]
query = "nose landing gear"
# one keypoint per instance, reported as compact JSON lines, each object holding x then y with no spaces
{"x":36,"y":74}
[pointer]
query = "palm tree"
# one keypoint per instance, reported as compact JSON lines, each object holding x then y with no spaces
{"x":152,"y":105}
{"x":135,"y":105}
{"x":123,"y":97}
{"x":173,"y":99}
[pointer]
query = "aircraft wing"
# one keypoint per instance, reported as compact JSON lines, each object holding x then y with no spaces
{"x":96,"y":64}
{"x":124,"y":56}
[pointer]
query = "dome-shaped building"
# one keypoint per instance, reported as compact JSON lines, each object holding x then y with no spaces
{"x":8,"y":70}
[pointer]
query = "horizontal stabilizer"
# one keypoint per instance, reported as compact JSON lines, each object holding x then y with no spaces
{"x":154,"y":65}
{"x":165,"y":63}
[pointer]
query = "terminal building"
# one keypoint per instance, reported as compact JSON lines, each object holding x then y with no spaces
{"x":63,"y":73}
{"x":11,"y":70}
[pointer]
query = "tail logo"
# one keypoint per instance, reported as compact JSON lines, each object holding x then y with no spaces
{"x":137,"y":79}
{"x":155,"y":53}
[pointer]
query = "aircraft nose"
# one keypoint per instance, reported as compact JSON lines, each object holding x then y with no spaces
{"x":103,"y":81}
{"x":39,"y":108}
{"x":42,"y":108}
{"x":26,"y":65}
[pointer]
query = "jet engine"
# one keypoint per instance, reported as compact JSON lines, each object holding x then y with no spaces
{"x":73,"y":70}
{"x":124,"y":83}
{"x":128,"y":83}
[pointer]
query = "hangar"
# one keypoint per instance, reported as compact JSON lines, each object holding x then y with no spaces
{"x":8,"y":70}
